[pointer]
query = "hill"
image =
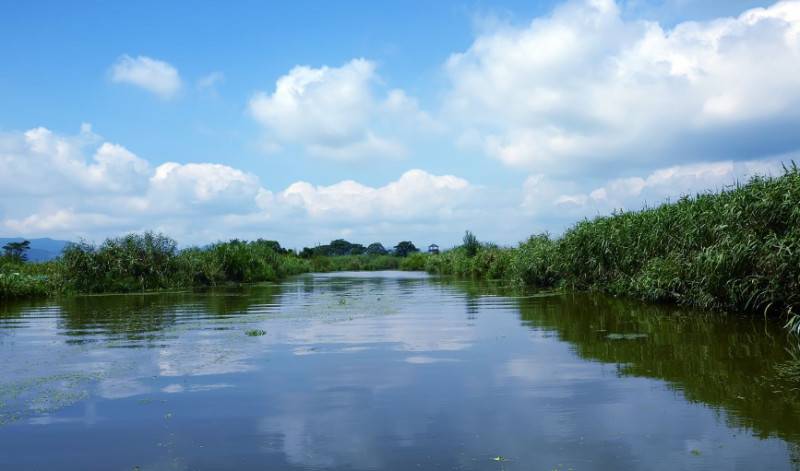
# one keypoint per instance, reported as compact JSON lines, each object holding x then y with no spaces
{"x":41,"y":250}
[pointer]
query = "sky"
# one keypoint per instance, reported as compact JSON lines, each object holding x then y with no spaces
{"x":383,"y":121}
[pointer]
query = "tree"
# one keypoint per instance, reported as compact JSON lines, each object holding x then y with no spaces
{"x":357,"y":249}
{"x":376,"y":248}
{"x":471,"y":244}
{"x":272,"y":244}
{"x":336,"y":248}
{"x":404,"y":248}
{"x":16,"y":250}
{"x":340,"y":247}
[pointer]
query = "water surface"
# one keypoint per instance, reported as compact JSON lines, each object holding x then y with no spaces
{"x":391,"y":371}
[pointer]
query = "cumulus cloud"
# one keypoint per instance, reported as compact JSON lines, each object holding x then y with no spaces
{"x":335,"y":112}
{"x":153,"y":75}
{"x":415,"y":195}
{"x":202,"y":186}
{"x":39,"y":162}
{"x":583,"y":87}
{"x":50,"y":187}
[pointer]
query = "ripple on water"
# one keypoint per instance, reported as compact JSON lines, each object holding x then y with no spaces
{"x":390,"y":370}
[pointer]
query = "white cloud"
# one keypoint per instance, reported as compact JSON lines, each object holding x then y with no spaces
{"x":51,"y":188}
{"x":368,"y":145}
{"x":335,"y":112}
{"x":416,"y":195}
{"x":153,"y":75}
{"x":39,"y":162}
{"x":210,"y":81}
{"x":325,"y":104}
{"x":676,"y":181}
{"x":540,"y":194}
{"x":60,"y":221}
{"x":81,"y":186}
{"x":582,"y":88}
{"x":559,"y":199}
{"x":202,"y":186}
{"x":406,"y":110}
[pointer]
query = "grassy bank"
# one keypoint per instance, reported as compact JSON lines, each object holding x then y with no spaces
{"x":738,"y":249}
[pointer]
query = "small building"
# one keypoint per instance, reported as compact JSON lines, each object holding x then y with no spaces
{"x":433,"y":248}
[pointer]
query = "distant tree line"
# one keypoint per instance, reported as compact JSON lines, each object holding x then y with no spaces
{"x":341,"y":247}
{"x":16,"y":251}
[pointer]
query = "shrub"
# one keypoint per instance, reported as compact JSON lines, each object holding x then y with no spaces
{"x":151,"y":261}
{"x":135,"y":262}
{"x":414,"y":262}
{"x":534,"y":262}
{"x":470,"y":244}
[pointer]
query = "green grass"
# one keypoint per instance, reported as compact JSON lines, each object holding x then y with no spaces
{"x":28,"y":280}
{"x":15,"y":285}
{"x":738,"y":249}
{"x":413,"y":262}
{"x":354,"y":263}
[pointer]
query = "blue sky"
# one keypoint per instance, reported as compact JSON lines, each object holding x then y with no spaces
{"x":305,"y":121}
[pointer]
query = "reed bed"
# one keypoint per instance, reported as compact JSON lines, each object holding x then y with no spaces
{"x":738,"y":250}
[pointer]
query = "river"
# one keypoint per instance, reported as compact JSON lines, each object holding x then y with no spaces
{"x":389,"y":371}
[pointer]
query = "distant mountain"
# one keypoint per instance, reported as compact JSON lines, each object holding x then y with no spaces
{"x":41,"y":250}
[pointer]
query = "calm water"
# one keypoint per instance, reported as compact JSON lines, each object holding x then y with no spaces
{"x":389,"y":371}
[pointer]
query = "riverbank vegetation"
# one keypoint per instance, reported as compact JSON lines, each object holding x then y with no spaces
{"x":146,"y":262}
{"x":149,"y":262}
{"x":28,"y":280}
{"x":341,"y":255}
{"x":738,"y":250}
{"x":361,"y":262}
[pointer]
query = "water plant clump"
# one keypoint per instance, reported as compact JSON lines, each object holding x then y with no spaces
{"x":255,"y":332}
